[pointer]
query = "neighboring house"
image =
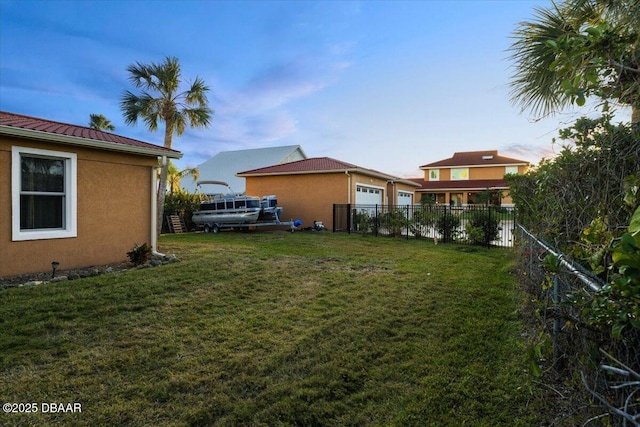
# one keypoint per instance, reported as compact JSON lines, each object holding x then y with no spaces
{"x":73,"y":195}
{"x":225,"y":165}
{"x":308,"y":189}
{"x":469,"y":176}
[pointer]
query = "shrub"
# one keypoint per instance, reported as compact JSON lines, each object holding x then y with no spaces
{"x":395,"y":221}
{"x":183,"y":204}
{"x":447,"y":225}
{"x":483,"y":227}
{"x":421,"y":219}
{"x":362,"y":221}
{"x":139,"y":254}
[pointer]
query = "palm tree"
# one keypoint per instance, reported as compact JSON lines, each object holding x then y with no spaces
{"x":576,"y":49}
{"x":100,"y":122}
{"x":174,"y":176}
{"x":160,"y":101}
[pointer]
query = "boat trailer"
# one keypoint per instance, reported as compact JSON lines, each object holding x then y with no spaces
{"x":213,"y":227}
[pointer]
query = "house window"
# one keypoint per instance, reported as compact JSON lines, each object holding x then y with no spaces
{"x":43,"y":194}
{"x":510,"y":169}
{"x":434,"y":174}
{"x":459,"y":174}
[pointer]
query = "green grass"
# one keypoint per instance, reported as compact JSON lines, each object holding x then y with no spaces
{"x":270,"y":328}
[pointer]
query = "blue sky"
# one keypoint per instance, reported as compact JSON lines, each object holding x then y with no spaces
{"x":385,"y":85}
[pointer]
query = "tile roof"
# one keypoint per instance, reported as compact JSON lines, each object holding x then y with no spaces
{"x":475,"y":158}
{"x":314,"y":164}
{"x":472,"y":184}
{"x":320,"y":165}
{"x":49,"y":128}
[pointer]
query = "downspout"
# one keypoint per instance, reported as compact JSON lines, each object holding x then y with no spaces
{"x":349,"y":187}
{"x":154,"y":206}
{"x":391,"y":198}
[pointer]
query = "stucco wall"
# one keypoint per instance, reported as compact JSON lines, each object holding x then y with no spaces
{"x":310,"y":197}
{"x":488,"y":172}
{"x":307,"y":197}
{"x":114,"y":211}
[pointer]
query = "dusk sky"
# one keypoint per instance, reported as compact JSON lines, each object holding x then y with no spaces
{"x":384,"y":85}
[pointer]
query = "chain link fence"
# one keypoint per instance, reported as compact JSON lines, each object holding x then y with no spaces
{"x":605,"y":369}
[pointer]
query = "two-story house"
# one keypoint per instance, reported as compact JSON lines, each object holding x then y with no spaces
{"x":469,"y":177}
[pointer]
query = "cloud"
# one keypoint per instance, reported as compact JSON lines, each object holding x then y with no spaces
{"x":284,"y":82}
{"x":530,"y":153}
{"x":260,"y":112}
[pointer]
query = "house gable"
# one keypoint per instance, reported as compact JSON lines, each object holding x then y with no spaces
{"x":465,"y":174}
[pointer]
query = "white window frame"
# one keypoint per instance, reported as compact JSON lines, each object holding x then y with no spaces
{"x":461,"y":171}
{"x":510,"y":170}
{"x":70,"y":227}
{"x":436,"y":172}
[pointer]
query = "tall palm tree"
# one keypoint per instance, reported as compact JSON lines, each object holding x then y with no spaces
{"x":174,"y":176}
{"x":100,"y":122}
{"x":161,"y":101}
{"x":575,"y":49}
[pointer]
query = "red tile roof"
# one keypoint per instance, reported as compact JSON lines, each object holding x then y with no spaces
{"x":49,"y":127}
{"x":314,"y":164}
{"x":319,"y":165}
{"x":475,"y":158}
{"x":471,"y":184}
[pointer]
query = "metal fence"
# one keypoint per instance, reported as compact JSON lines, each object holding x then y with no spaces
{"x":604,"y":366}
{"x":473,"y":224}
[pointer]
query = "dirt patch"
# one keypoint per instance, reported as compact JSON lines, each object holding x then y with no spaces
{"x":81,"y":273}
{"x":72,"y":274}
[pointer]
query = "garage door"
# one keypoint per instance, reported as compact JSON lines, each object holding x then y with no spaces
{"x":368,"y":195}
{"x":405,"y":199}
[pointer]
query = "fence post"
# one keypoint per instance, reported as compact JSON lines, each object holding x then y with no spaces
{"x":349,"y":218}
{"x":407,"y":222}
{"x":487,"y":231}
{"x":376,"y":221}
{"x":556,"y":319}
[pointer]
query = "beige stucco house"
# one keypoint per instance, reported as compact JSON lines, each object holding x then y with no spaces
{"x":307,"y":189}
{"x":72,"y":195}
{"x":459,"y":180}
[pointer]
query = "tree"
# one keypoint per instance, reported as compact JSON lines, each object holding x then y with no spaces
{"x":161,"y":101}
{"x":100,"y":122}
{"x":576,"y":49}
{"x":174,"y":176}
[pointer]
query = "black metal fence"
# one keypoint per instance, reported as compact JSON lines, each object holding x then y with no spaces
{"x":473,"y":224}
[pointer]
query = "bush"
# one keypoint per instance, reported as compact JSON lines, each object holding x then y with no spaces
{"x":483,"y":227}
{"x":420,"y":220}
{"x":362,"y":222}
{"x":447,"y":225}
{"x":183,"y":204}
{"x":395,"y":221}
{"x":139,"y":254}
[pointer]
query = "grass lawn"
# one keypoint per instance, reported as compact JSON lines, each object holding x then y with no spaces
{"x":274,"y":328}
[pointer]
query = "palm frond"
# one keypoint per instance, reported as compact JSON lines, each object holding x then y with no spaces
{"x":197,"y":93}
{"x":167,"y":105}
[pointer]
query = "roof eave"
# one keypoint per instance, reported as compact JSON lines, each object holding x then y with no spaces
{"x":246,"y":174}
{"x":323,"y":171}
{"x":495,"y":187}
{"x":85,"y":142}
{"x":425,"y":167}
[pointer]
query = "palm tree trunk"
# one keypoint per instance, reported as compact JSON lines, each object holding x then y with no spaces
{"x":164,"y":171}
{"x":162,"y":191}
